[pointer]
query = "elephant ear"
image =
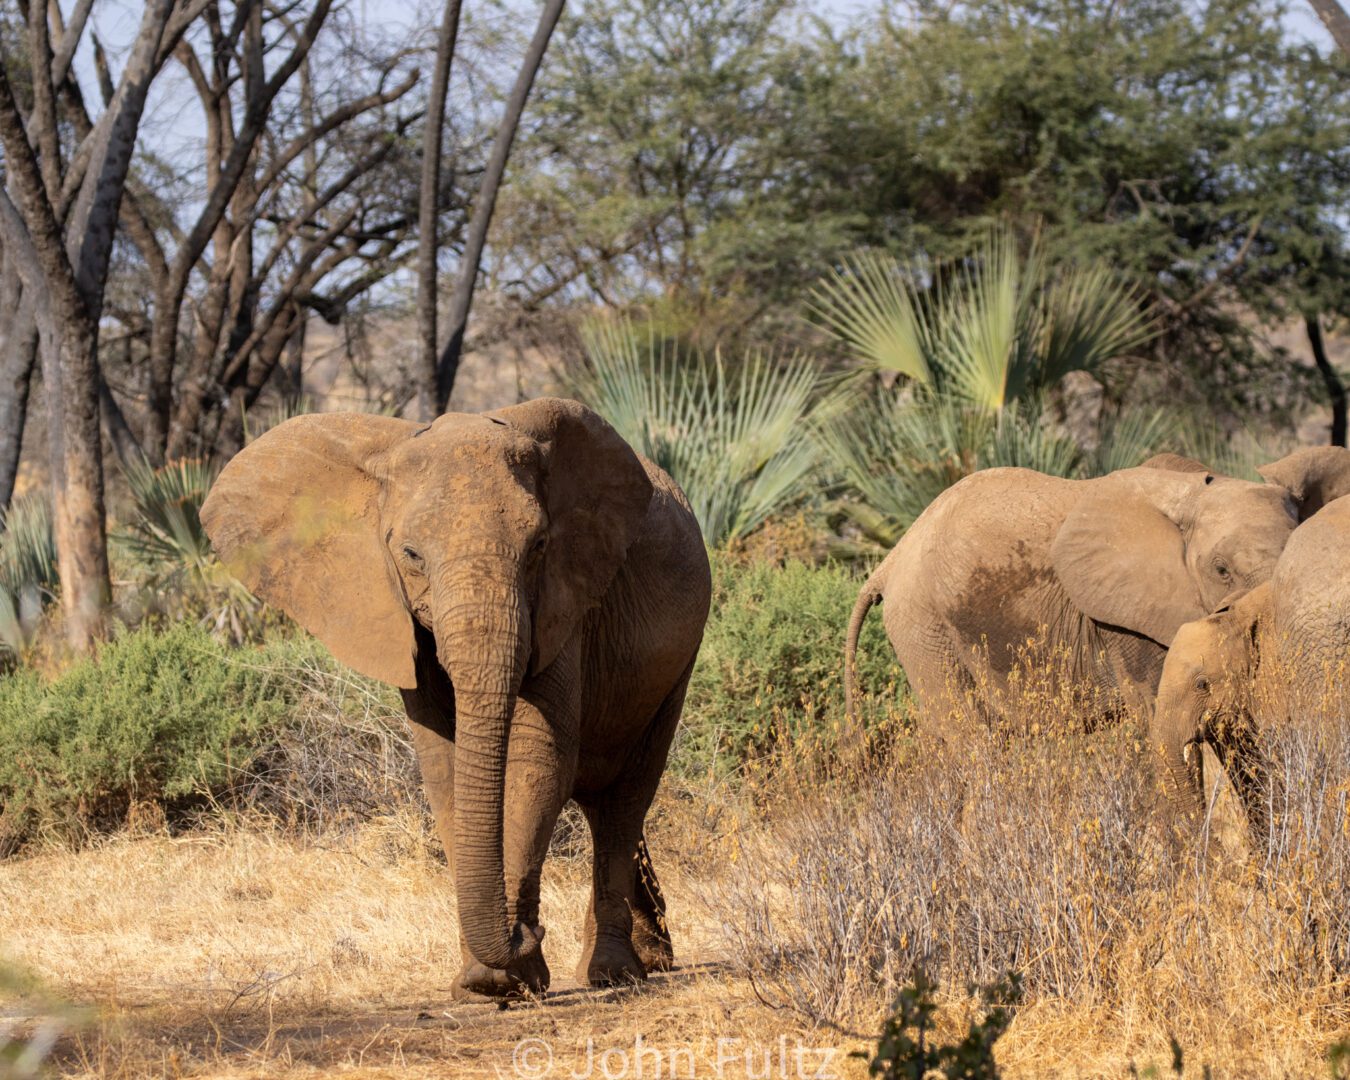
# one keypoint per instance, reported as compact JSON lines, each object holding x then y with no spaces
{"x":1247,"y":615}
{"x":596,"y":493}
{"x":1314,"y":476}
{"x":1121,"y":554}
{"x":295,"y":517}
{"x":1174,"y":463}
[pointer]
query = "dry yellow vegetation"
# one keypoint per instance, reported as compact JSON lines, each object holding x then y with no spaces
{"x":800,"y":903}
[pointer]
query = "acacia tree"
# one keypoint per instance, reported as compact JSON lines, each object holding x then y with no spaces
{"x":318,"y":215}
{"x":651,"y":171}
{"x":237,"y":97}
{"x":58,"y":216}
{"x":1335,"y":19}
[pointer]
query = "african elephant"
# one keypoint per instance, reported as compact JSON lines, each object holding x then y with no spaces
{"x":1280,"y":649}
{"x":1102,"y":572}
{"x":538,"y":593}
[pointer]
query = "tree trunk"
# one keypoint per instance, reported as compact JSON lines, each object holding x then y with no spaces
{"x":485,"y":201}
{"x":428,"y":212}
{"x":18,"y":357}
{"x":80,"y":518}
{"x":1335,"y":19}
{"x":69,"y":350}
{"x":293,"y":360}
{"x":1330,"y":378}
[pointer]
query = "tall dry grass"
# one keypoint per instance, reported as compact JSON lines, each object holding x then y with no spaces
{"x":804,"y":893}
{"x":1036,"y":846}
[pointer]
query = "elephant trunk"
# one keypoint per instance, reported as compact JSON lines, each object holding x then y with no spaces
{"x":483,"y":642}
{"x":1177,"y":733}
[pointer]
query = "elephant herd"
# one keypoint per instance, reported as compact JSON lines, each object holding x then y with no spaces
{"x":538,"y":591}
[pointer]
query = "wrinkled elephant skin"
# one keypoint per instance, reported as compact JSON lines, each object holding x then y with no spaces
{"x":538,"y":592}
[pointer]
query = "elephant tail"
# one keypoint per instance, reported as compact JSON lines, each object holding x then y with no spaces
{"x":867,"y":597}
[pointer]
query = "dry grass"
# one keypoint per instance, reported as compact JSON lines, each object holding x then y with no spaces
{"x":246,"y":951}
{"x":801,"y":904}
{"x":1035,"y":847}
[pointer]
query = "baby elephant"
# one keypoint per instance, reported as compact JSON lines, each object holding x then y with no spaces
{"x":1276,"y":651}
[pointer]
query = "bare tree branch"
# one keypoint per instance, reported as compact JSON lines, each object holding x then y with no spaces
{"x":486,"y":199}
{"x":429,"y":209}
{"x":1335,"y":19}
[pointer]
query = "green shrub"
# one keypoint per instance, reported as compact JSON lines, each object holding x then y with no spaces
{"x":159,"y":717}
{"x":901,"y":1055}
{"x":772,"y":663}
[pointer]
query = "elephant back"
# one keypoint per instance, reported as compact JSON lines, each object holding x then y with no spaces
{"x":1311,"y":590}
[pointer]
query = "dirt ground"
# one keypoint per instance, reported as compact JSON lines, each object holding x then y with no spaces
{"x":244,"y":953}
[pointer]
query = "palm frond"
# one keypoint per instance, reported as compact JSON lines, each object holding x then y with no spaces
{"x":898,"y":456}
{"x":734,"y":437}
{"x":1090,"y":317}
{"x":1131,"y":437}
{"x":995,"y":328}
{"x":27,"y":544}
{"x":28,"y":568}
{"x":875,"y":306}
{"x":983,"y":328}
{"x":166,"y":531}
{"x":1237,"y":453}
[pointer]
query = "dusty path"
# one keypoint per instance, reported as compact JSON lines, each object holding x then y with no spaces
{"x":246,"y":954}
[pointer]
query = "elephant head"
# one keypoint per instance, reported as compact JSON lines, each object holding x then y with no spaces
{"x":495,"y":532}
{"x":1205,"y":696}
{"x":1313,"y":476}
{"x":1149,"y":549}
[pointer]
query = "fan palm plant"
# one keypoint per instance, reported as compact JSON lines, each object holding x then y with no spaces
{"x":898,"y":455}
{"x":166,"y":531}
{"x":991,"y":329}
{"x":28,"y":577}
{"x":735,"y":437}
{"x":165,"y":535}
{"x":980,"y":343}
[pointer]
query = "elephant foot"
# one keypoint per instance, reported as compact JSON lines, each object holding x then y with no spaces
{"x":611,"y":962}
{"x":652,"y":946}
{"x":529,"y":976}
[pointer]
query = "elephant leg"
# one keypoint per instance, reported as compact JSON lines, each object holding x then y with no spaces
{"x":541,"y":767}
{"x":626,"y":924}
{"x":651,"y":933}
{"x":433,"y":737}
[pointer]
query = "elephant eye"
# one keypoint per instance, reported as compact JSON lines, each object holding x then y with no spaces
{"x":1223,"y":571}
{"x":1202,"y":683}
{"x":411,"y":555}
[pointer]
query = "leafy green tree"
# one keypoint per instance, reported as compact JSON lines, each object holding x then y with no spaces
{"x":1190,"y":145}
{"x":647,"y":173}
{"x":716,"y":159}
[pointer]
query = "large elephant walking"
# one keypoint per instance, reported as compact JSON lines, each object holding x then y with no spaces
{"x":1101,"y":572}
{"x":538,"y":592}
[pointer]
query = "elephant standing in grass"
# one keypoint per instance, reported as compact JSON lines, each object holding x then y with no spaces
{"x":1280,"y":650}
{"x":1101,"y":572}
{"x":538,"y":592}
